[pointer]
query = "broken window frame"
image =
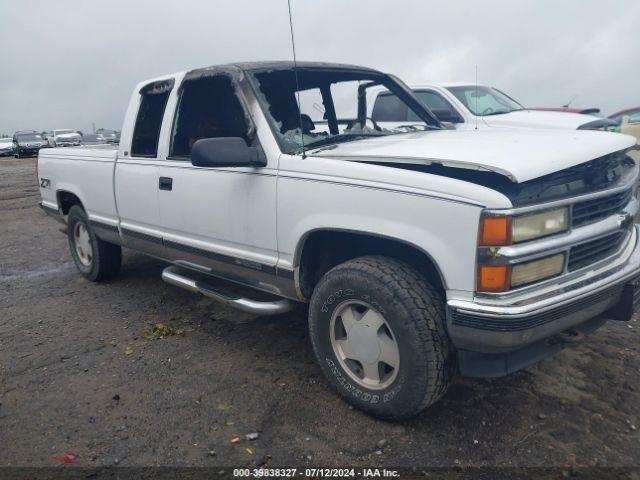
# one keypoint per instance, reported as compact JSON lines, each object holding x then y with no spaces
{"x":390,"y":82}
{"x":160,"y":87}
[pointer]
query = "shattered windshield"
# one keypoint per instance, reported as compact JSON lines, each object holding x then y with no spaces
{"x":328,"y":106}
{"x":483,"y":101}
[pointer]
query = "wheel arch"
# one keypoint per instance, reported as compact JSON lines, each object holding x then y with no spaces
{"x":67,"y":199}
{"x":321,"y":249}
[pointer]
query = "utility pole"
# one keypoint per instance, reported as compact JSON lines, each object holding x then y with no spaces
{"x":93,"y":125}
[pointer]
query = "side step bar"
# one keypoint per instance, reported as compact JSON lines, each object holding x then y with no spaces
{"x":171,"y":275}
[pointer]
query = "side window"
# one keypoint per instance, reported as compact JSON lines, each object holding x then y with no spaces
{"x":634,"y":117}
{"x":147,"y":129}
{"x":440,"y":107}
{"x":208,"y":108}
{"x":389,"y":108}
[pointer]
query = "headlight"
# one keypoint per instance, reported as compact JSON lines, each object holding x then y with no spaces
{"x":505,"y":230}
{"x":537,"y":270}
{"x":538,"y":225}
{"x":502,"y":230}
{"x":501,"y":278}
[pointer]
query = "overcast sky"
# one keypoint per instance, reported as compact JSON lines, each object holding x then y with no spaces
{"x":68,"y":63}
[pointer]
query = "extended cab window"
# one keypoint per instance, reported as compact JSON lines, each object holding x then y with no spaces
{"x":147,"y":129}
{"x":208,"y":108}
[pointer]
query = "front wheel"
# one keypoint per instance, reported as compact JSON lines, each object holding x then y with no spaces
{"x":96,"y":259}
{"x":378,"y":331}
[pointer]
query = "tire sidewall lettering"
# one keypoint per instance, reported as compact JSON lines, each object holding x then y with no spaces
{"x":337,"y":295}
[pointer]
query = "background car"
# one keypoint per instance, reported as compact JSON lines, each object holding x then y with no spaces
{"x":93,"y":139}
{"x":628,"y":121}
{"x":6,"y":146}
{"x":27,"y":143}
{"x":46,"y":137}
{"x":65,"y":138}
{"x":466,"y":106}
{"x":111,"y":136}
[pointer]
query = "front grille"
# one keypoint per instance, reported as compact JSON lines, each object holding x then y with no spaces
{"x":590,"y":211}
{"x":594,"y":250}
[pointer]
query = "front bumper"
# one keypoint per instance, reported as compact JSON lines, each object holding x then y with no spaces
{"x":489,"y":327}
{"x":28,"y":151}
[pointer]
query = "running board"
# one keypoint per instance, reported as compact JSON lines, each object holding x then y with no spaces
{"x":171,"y":275}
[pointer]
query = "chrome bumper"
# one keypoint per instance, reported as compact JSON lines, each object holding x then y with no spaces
{"x":494,"y":325}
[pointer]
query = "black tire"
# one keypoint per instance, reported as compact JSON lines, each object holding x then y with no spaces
{"x":18,"y":154}
{"x":106,"y":257}
{"x":415,"y":311}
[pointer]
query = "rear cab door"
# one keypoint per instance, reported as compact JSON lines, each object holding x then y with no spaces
{"x":136,"y":174}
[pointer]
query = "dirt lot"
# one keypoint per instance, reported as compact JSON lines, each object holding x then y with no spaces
{"x":80,"y":373}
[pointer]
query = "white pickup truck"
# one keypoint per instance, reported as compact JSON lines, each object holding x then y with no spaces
{"x":65,"y":138}
{"x":421,"y":251}
{"x":465,"y":106}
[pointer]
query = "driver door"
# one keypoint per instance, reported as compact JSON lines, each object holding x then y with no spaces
{"x":219,"y":220}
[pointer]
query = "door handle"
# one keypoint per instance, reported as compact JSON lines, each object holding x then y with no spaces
{"x":165,"y":183}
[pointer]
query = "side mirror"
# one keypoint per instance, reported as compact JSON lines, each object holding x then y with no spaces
{"x":226,"y":152}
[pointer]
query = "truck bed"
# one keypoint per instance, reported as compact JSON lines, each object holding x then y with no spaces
{"x":87,"y":172}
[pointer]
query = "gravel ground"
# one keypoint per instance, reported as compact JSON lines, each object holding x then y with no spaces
{"x":81,"y":374}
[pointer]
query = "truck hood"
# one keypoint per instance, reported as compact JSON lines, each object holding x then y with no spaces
{"x":538,"y":119}
{"x":520,"y":155}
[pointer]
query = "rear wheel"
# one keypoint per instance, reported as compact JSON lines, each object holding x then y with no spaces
{"x":96,"y":259}
{"x":378,"y":331}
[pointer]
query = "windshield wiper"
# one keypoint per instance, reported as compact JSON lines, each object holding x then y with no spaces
{"x":342,"y":137}
{"x":498,"y":112}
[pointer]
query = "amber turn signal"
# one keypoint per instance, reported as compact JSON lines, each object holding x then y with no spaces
{"x":494,"y":278}
{"x":495,"y":231}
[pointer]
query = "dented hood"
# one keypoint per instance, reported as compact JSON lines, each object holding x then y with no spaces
{"x":520,"y":155}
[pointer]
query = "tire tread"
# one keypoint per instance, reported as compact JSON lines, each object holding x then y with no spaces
{"x":426,"y":307}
